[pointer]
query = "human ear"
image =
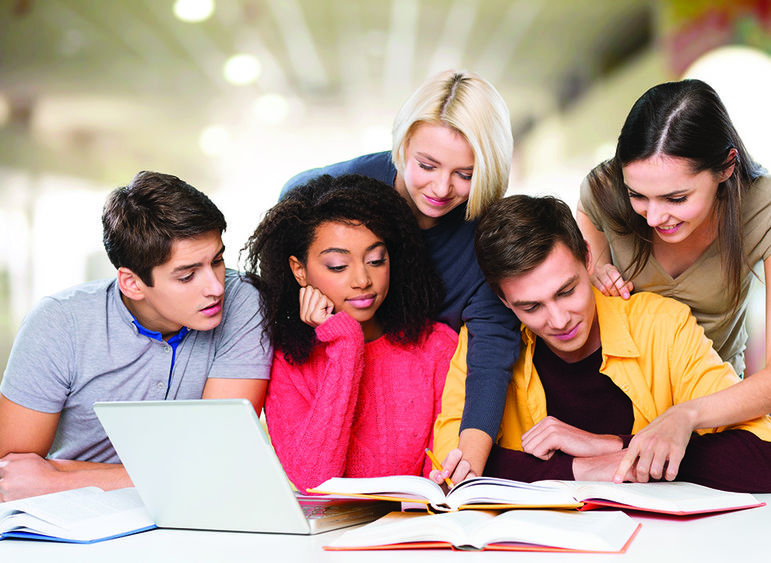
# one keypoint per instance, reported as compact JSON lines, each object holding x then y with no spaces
{"x":298,"y":270}
{"x":130,"y":285}
{"x":589,"y":258}
{"x":733,"y":158}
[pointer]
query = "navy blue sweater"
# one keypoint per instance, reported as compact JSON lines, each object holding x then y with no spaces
{"x":493,"y":329}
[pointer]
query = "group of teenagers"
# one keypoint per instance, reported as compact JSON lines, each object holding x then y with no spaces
{"x":397,"y":302}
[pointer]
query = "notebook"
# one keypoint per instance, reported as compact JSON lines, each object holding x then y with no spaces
{"x":208,"y":465}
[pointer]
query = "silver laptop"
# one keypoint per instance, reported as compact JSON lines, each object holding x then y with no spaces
{"x":208,"y":465}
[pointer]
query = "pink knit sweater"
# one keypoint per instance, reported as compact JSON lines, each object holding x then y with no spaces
{"x":355,"y":409}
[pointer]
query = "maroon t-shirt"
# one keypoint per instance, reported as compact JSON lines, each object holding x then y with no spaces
{"x":579,"y":395}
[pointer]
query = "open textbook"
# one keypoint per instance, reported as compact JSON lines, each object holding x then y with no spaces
{"x":515,"y":530}
{"x":84,"y":515}
{"x":676,"y":498}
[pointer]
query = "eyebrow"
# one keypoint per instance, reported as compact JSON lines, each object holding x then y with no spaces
{"x":432,"y":159}
{"x":670,"y":194}
{"x":184,"y":267}
{"x":562,"y":288}
{"x":346,"y":251}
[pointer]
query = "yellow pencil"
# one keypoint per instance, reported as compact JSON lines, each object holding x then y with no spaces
{"x":438,"y":466}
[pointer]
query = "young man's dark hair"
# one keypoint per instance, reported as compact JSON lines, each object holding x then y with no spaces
{"x":141,"y":221}
{"x":517,"y":233}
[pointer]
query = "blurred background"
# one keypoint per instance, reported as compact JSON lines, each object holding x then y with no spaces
{"x":236,"y":96}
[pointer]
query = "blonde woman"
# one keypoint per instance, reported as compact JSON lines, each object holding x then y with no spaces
{"x":451,"y":155}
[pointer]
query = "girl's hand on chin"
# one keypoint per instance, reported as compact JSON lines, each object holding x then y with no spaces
{"x":315,"y":307}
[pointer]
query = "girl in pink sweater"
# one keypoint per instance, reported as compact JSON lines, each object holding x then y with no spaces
{"x":347,"y":292}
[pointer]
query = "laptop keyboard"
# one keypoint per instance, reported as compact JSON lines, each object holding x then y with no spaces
{"x":312,"y":512}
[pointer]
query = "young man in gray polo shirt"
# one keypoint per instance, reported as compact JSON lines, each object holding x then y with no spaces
{"x":173,"y":324}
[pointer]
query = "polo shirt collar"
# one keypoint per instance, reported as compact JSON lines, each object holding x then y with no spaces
{"x":173,"y":341}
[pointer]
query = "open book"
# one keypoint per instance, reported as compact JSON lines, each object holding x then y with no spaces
{"x":677,"y":498}
{"x":84,"y":515}
{"x":516,"y":530}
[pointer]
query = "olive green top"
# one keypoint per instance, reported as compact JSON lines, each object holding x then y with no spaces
{"x":702,"y":286}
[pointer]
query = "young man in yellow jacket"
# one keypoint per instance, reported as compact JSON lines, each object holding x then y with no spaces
{"x":594,"y":370}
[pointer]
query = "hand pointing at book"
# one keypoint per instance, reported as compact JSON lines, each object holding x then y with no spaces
{"x":657,"y":450}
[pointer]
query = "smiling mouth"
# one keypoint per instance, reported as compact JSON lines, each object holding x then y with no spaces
{"x":569,"y":334}
{"x":668,"y":229}
{"x":362,"y":301}
{"x":438,"y":201}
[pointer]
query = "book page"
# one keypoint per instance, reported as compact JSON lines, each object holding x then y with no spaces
{"x":403,"y":527}
{"x":602,"y":531}
{"x":77,"y":504}
{"x":476,"y":529}
{"x":665,"y":496}
{"x":487,"y":490}
{"x":395,"y":486}
{"x":20,"y":521}
{"x":79,"y":514}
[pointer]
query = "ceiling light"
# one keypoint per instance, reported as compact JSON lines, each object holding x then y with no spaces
{"x":242,"y":69}
{"x":193,"y":11}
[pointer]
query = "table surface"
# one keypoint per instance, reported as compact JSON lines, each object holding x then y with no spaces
{"x":732,"y":536}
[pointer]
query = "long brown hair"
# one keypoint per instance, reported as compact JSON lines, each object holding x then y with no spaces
{"x":688,"y":120}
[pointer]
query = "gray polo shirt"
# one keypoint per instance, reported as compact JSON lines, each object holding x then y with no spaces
{"x":81,"y":346}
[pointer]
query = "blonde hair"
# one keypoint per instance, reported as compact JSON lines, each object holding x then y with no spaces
{"x":473,"y":107}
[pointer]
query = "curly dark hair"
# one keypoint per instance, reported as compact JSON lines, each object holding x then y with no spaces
{"x":288,"y":229}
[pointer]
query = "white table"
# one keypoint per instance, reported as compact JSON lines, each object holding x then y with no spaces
{"x":733,"y":536}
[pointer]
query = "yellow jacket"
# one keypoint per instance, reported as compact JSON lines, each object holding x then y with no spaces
{"x":652,"y":349}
